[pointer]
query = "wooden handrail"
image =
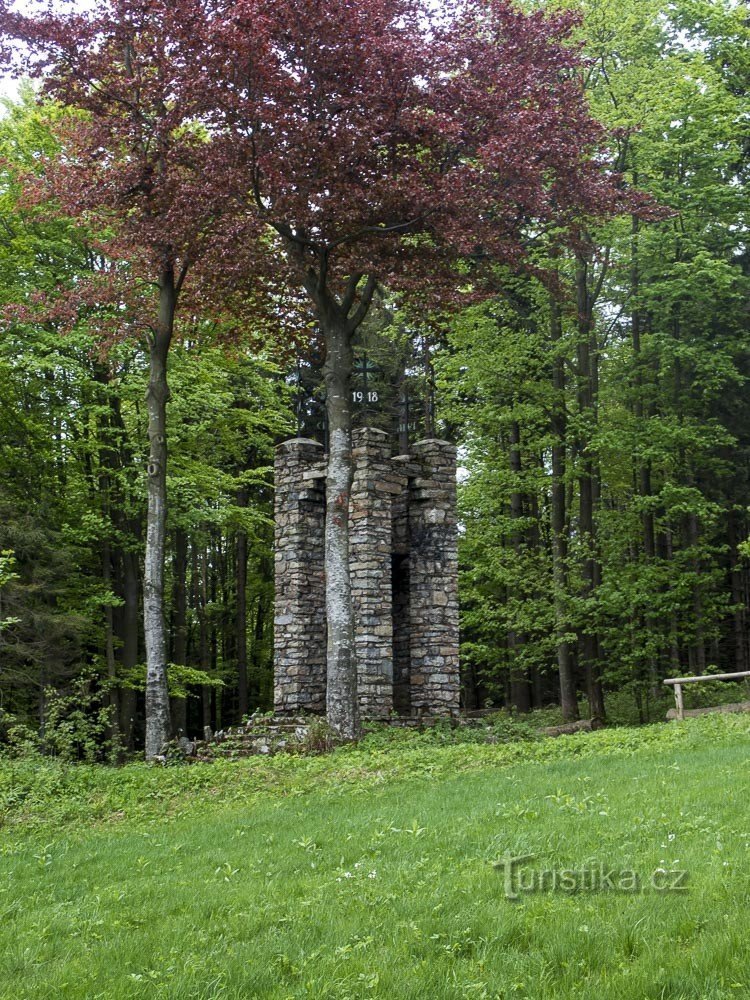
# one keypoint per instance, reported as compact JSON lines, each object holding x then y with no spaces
{"x":707,"y":677}
{"x":677,"y":682}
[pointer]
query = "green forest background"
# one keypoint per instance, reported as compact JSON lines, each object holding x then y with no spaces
{"x":603,"y":434}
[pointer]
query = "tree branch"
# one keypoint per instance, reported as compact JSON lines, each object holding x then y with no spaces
{"x":365,"y":301}
{"x":393,"y":227}
{"x":351,"y":291}
{"x":182,"y":275}
{"x":323,"y":272}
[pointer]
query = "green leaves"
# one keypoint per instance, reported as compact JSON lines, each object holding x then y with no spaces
{"x":183,"y":680}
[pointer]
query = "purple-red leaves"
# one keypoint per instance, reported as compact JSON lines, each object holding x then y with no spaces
{"x":260,"y":140}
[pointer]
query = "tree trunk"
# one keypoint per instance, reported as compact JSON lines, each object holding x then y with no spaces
{"x":258,"y":651}
{"x":697,"y":650}
{"x":642,"y":412}
{"x":339,"y":319}
{"x":179,"y":623}
{"x":673,"y":650}
{"x":130,"y":629}
{"x":157,"y":397}
{"x":341,"y":695}
{"x":537,"y":679}
{"x":112,"y":691}
{"x":738,"y":604}
{"x":568,"y":690}
{"x":205,"y":647}
{"x":586,"y":486}
{"x":241,"y":617}
{"x":107,"y":492}
{"x":117,"y":455}
{"x":215,"y":626}
{"x":520,"y":692}
{"x":596,"y":687}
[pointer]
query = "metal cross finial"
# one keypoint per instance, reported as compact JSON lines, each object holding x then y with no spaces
{"x":364,"y":367}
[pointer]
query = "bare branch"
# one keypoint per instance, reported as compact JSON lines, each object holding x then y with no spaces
{"x":365,"y":300}
{"x":384,"y":230}
{"x":351,"y":291}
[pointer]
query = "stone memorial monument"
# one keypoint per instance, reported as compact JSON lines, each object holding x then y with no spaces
{"x":404,"y":577}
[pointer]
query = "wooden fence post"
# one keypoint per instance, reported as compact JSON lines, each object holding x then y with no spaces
{"x":679,"y":702}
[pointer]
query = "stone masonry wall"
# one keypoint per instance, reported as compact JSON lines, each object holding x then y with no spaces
{"x":300,"y":617}
{"x":401,"y":639}
{"x":433,"y":581}
{"x":373,"y":487}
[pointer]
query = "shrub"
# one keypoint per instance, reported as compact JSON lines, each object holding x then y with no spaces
{"x":77,"y":725}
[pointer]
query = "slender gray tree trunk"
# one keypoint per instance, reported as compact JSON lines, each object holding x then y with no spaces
{"x":339,"y":318}
{"x":157,"y":397}
{"x":341,"y":693}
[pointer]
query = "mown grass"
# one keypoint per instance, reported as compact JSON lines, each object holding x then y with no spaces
{"x":369,"y":872}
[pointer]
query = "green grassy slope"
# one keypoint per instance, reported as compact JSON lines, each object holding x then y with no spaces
{"x":369,"y":872}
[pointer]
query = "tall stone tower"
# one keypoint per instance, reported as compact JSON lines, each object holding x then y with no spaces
{"x":404,"y":575}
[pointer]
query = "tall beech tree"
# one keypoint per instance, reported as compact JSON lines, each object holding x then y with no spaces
{"x":136,"y":167}
{"x":384,"y":143}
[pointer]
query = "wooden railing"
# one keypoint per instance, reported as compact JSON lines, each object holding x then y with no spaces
{"x":677,"y":683}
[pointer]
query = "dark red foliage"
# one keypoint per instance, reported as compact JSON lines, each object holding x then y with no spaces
{"x":263,"y":142}
{"x":134,"y":166}
{"x":381,"y":138}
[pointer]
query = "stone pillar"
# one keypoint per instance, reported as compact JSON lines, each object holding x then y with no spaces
{"x":433,"y":580}
{"x":300,"y":617}
{"x":373,"y":487}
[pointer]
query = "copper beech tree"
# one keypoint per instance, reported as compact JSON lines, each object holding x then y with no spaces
{"x":137,"y":169}
{"x":329,"y":148}
{"x":404,"y":144}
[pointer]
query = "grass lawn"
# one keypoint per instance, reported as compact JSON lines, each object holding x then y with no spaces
{"x":369,"y":872}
